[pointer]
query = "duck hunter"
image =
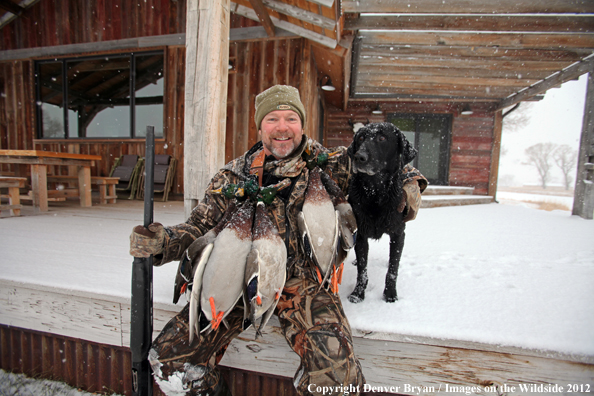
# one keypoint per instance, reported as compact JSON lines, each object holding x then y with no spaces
{"x":291,"y":179}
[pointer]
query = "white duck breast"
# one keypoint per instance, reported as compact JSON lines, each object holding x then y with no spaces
{"x":318,"y":224}
{"x":348,"y":222}
{"x":265,"y":272}
{"x":222,"y":281}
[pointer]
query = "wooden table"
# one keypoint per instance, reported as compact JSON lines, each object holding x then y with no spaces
{"x":39,"y":161}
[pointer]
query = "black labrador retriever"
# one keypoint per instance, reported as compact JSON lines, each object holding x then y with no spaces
{"x":379,"y":152}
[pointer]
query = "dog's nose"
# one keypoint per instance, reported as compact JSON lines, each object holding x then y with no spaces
{"x":361,"y":156}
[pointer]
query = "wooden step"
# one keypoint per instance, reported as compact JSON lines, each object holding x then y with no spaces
{"x":448,"y":190}
{"x":435,"y":201}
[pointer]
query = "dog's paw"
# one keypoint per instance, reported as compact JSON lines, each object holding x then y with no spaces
{"x":390,"y":296}
{"x":355,"y":299}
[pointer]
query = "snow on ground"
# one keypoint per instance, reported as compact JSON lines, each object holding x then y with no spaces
{"x":498,"y":274}
{"x":21,"y":385}
{"x":518,"y":198}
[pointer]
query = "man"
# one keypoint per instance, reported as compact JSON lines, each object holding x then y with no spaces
{"x":312,"y":318}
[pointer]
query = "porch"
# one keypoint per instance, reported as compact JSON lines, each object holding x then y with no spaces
{"x":64,"y":312}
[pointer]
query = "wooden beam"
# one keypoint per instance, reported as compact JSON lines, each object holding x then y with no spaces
{"x":469,"y":6}
{"x":263,"y":16}
{"x":71,"y":49}
{"x":207,"y":60}
{"x":570,"y":73}
{"x":466,"y":39}
{"x":302,"y":32}
{"x":583,"y":199}
{"x":253,"y":33}
{"x":500,"y":23}
{"x":11,"y":7}
{"x":495,"y":154}
{"x":462,"y":52}
{"x":389,"y":79}
{"x":301,"y":14}
{"x":493,"y":63}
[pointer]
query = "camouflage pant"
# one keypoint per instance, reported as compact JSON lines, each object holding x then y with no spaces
{"x":314,"y":325}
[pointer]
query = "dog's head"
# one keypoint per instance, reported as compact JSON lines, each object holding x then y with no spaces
{"x":380,"y":147}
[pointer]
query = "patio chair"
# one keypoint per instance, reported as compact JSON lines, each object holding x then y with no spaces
{"x":164,"y":173}
{"x":127,"y":168}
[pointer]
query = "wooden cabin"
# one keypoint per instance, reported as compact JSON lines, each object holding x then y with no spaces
{"x":89,"y":76}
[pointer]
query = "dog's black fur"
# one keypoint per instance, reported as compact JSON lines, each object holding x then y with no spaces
{"x":379,"y":152}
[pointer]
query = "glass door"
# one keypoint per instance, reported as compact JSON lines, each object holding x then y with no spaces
{"x":430,"y":135}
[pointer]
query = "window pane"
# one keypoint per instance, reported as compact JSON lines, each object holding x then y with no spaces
{"x":432,"y":143}
{"x":99,"y":97}
{"x":149,"y":94}
{"x":51,"y":100}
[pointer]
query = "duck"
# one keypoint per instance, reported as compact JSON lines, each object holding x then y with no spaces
{"x":219,"y":276}
{"x":318,"y":226}
{"x":265,"y":272}
{"x":348,"y":222}
{"x":191,"y":256}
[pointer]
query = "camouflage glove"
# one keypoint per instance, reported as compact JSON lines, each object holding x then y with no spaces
{"x":145,"y":241}
{"x":412,"y":194}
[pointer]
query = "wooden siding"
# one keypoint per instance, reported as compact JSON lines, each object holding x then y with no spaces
{"x":471,"y":142}
{"x":82,"y":338}
{"x":75,"y":21}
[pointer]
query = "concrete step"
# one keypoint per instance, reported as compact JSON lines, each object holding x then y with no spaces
{"x":435,"y":201}
{"x":448,"y":190}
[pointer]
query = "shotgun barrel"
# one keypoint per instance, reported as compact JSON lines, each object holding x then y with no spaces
{"x":141,"y":321}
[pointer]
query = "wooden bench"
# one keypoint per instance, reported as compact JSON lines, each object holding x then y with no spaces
{"x":14,"y":201}
{"x":107,"y":187}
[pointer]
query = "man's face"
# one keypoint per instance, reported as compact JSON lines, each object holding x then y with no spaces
{"x":281,"y":132}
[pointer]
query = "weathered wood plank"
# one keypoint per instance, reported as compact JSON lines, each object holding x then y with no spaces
{"x":468,"y":6}
{"x":44,"y":309}
{"x":503,"y":40}
{"x":388,"y":360}
{"x":497,"y":23}
{"x":301,"y":14}
{"x":557,"y":79}
{"x":306,"y":33}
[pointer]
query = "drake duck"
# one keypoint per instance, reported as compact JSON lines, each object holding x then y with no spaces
{"x":265,"y":272}
{"x":318,"y":226}
{"x":219,"y":275}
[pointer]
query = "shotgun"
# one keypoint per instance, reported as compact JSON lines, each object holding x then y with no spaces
{"x":141,"y":321}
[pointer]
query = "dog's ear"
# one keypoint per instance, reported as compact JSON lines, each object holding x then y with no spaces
{"x":408,"y":151}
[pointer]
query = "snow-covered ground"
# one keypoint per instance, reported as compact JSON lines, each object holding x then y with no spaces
{"x":500,"y":274}
{"x":21,"y":385}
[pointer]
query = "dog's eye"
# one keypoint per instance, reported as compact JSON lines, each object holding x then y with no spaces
{"x":381,"y":138}
{"x":361,"y":138}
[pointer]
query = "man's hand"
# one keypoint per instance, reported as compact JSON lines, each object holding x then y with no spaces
{"x":412,"y":194}
{"x":145,"y":241}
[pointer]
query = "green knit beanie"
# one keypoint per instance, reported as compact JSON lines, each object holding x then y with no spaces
{"x":279,"y":97}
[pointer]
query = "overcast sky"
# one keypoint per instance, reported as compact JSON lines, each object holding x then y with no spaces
{"x":557,"y":119}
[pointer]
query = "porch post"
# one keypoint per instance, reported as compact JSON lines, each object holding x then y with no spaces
{"x":583,"y":199}
{"x":207,"y":59}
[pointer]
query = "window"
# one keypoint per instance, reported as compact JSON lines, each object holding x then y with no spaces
{"x":112,"y":96}
{"x":429,"y":133}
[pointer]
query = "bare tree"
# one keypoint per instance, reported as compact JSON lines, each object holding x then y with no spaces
{"x":540,"y":155}
{"x":566,"y":159}
{"x":517,"y":118}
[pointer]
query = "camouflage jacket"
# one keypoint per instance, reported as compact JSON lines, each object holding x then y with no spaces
{"x":283,"y":210}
